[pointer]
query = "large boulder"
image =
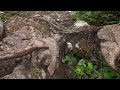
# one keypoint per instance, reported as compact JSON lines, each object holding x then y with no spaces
{"x":30,"y":50}
{"x":30,"y":55}
{"x":109,"y":37}
{"x":84,"y":42}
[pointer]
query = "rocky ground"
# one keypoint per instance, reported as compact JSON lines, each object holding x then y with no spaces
{"x":33,"y":43}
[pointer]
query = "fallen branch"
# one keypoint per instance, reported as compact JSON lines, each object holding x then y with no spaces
{"x":19,"y":53}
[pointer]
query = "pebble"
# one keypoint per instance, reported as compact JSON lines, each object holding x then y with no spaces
{"x":79,"y":24}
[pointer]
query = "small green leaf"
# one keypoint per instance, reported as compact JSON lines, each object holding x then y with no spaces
{"x":90,"y":66}
{"x":79,"y":70}
{"x":69,"y":58}
{"x":84,"y":65}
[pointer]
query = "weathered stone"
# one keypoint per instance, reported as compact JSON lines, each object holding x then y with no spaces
{"x":27,"y":46}
{"x":82,"y":43}
{"x":110,"y":44}
{"x":1,"y":30}
{"x":79,"y":24}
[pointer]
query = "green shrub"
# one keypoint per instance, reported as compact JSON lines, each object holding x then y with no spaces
{"x":97,"y":17}
{"x":109,"y":73}
{"x":84,"y":69}
{"x":71,"y":60}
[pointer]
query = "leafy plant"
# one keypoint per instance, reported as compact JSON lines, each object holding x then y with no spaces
{"x":109,"y":73}
{"x":118,"y":20}
{"x":80,"y":70}
{"x":85,"y":69}
{"x":97,"y":17}
{"x":70,"y":59}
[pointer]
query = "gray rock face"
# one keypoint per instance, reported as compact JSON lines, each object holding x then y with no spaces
{"x":32,"y":55}
{"x":110,"y":43}
{"x":29,"y":51}
{"x":1,"y":29}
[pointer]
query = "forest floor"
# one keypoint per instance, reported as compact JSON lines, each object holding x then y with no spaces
{"x":85,"y":69}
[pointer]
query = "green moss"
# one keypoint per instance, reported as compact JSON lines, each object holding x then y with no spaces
{"x":44,"y":30}
{"x":36,"y":71}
